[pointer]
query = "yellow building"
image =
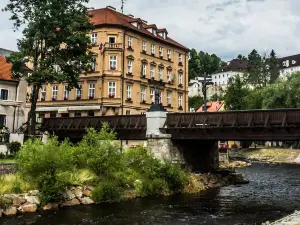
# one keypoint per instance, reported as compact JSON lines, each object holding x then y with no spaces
{"x":132,"y":59}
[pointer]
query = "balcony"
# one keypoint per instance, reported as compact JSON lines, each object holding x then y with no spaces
{"x":113,"y":46}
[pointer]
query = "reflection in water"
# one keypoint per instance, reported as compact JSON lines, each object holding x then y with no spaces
{"x":273,"y":192}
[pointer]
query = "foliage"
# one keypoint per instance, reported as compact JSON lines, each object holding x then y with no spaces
{"x":13,"y":183}
{"x":196,"y":102}
{"x":13,"y":147}
{"x":54,"y":41}
{"x":107,"y":192}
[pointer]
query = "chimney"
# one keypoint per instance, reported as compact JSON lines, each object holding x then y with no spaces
{"x":112,"y":8}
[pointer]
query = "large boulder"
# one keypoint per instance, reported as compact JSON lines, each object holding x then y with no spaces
{"x":18,"y":201}
{"x":87,"y":193}
{"x":67,"y":194}
{"x":34,"y":192}
{"x":33,"y":199}
{"x":10,"y":211}
{"x":51,"y":206}
{"x":237,"y":178}
{"x":28,"y":208}
{"x":77,"y":192}
{"x":72,"y":202}
{"x":86,"y":201}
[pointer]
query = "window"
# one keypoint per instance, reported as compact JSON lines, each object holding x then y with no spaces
{"x":93,"y":64}
{"x":129,"y":64}
{"x":179,"y":100}
{"x":129,"y":41}
{"x":112,"y":62}
{"x":169,"y":54}
{"x":54,"y":92}
{"x":169,"y":95}
{"x":160,"y":96}
{"x":127,"y":112}
{"x":152,"y":71}
{"x":112,"y":39}
{"x":144,"y":69}
{"x":79,"y":91}
{"x":66,"y":92}
{"x":152,"y":49}
{"x":160,"y":73}
{"x":169,"y":75}
{"x":112,"y":89}
{"x":92,"y":90}
{"x":179,"y":78}
{"x":223,"y":75}
{"x":65,"y":115}
{"x":77,"y":114}
{"x":180,"y":57}
{"x":91,"y":113}
{"x":143,"y":93}
{"x":94,"y":38}
{"x":161,"y":51}
{"x":4,"y":94}
{"x":43,"y":93}
{"x":144,"y":46}
{"x":152,"y":95}
{"x":129,"y":89}
{"x":154,"y":31}
{"x":52,"y":114}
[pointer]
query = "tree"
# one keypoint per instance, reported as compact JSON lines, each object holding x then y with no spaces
{"x":193,"y":64}
{"x":241,"y":57}
{"x":273,"y":66}
{"x":196,"y":102}
{"x":54,"y":40}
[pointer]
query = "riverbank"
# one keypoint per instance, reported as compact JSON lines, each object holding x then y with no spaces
{"x":293,"y":219}
{"x":269,"y":155}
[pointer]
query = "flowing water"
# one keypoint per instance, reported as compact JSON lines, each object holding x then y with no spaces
{"x":273,"y":192}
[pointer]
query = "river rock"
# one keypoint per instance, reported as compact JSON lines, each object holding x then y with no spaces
{"x":67,"y":194}
{"x":214,"y":180}
{"x":34,"y":192}
{"x":86,"y":201}
{"x":18,"y":201}
{"x":237,"y":178}
{"x":51,"y":206}
{"x":28,"y":208}
{"x":87,"y":193}
{"x":77,"y":192}
{"x":10,"y":211}
{"x":89,"y":188}
{"x":72,"y":202}
{"x":33,"y":199}
{"x":10,"y":196}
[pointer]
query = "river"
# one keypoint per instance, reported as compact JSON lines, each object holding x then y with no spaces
{"x":273,"y":192}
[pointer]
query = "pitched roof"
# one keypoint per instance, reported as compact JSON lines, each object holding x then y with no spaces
{"x":235,"y":65}
{"x":212,"y":106}
{"x":289,"y":61}
{"x":5,"y":67}
{"x":106,"y":16}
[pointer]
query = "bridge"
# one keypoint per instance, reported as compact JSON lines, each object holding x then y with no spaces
{"x":255,"y":125}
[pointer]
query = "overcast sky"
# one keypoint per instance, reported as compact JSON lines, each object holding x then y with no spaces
{"x":223,"y":27}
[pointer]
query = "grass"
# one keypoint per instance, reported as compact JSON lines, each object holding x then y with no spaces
{"x":3,"y":161}
{"x":13,"y":183}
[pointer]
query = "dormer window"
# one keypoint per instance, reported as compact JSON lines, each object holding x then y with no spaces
{"x":154,"y":32}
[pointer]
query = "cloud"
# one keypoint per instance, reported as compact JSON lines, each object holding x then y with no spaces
{"x":224,"y":27}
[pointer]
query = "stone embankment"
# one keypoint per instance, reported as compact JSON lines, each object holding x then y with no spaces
{"x":7,"y":168}
{"x":13,"y":204}
{"x":293,"y":219}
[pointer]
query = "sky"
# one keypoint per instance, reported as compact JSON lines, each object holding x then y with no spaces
{"x":224,"y":27}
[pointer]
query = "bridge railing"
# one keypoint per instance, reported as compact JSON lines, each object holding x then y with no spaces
{"x":254,"y":118}
{"x":83,"y":123}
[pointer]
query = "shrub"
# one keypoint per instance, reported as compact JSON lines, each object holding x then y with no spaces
{"x":152,"y":187}
{"x":107,"y":192}
{"x":13,"y":183}
{"x":13,"y":147}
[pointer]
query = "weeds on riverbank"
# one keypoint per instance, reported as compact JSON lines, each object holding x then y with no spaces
{"x":97,"y":161}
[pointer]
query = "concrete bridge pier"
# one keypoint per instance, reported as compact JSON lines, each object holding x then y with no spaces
{"x":198,"y":155}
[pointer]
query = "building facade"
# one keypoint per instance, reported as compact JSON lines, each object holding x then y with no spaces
{"x":12,"y":98}
{"x":195,"y":87}
{"x":132,"y":60}
{"x":288,"y":65}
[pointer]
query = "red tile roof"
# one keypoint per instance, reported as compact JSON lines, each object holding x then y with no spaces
{"x":5,"y":67}
{"x":106,"y":16}
{"x":212,"y":106}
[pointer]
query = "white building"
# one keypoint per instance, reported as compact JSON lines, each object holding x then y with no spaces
{"x":195,"y":86}
{"x":289,"y":64}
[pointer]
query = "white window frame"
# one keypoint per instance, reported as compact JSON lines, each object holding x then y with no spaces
{"x":144,"y":69}
{"x":169,"y":53}
{"x":143,"y":93}
{"x":92,"y":89}
{"x":161,"y":51}
{"x":43,"y":93}
{"x":152,"y":71}
{"x":160,"y":73}
{"x":130,"y":39}
{"x":180,"y":78}
{"x":169,"y":75}
{"x":66,"y":92}
{"x":79,"y":91}
{"x":179,"y":100}
{"x":169,"y":97}
{"x":112,"y":88}
{"x":112,"y":36}
{"x":113,"y":62}
{"x":94,"y":64}
{"x":54,"y":92}
{"x":152,"y":95}
{"x":129,"y":91}
{"x":180,"y":57}
{"x":144,"y":46}
{"x":94,"y":38}
{"x":129,"y":66}
{"x":7,"y":94}
{"x":153,"y":49}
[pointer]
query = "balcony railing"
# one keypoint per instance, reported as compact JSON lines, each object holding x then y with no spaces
{"x":113,"y":46}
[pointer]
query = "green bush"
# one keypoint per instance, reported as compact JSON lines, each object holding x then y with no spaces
{"x":107,"y":192}
{"x":153,"y":187}
{"x":13,"y":147}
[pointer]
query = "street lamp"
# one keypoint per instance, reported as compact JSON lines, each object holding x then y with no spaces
{"x":205,"y":83}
